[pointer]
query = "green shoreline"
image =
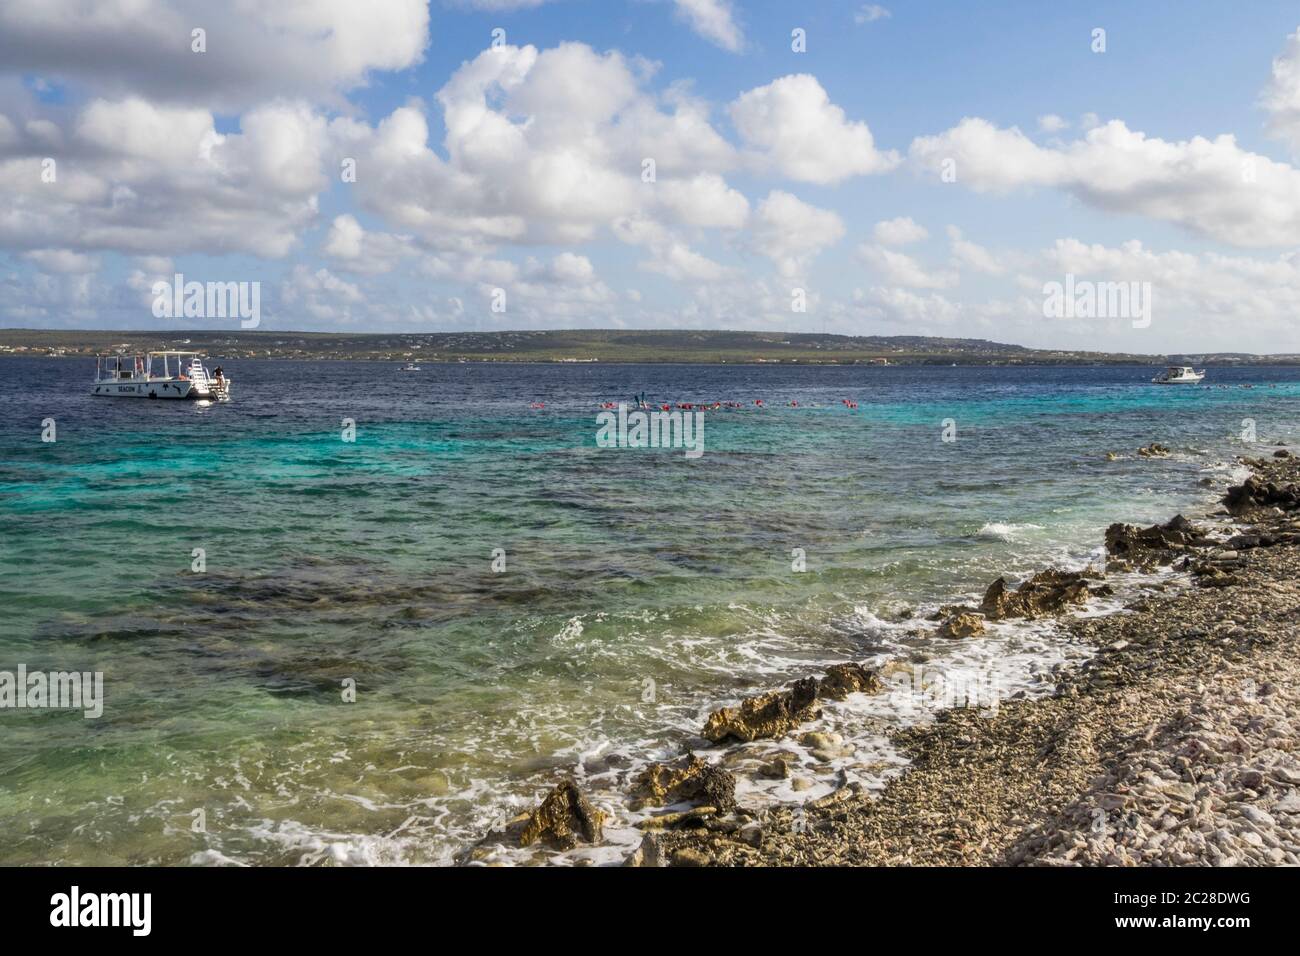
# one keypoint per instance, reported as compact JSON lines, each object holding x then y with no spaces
{"x":626,"y":347}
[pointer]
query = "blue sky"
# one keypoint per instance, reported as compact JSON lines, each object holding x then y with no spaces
{"x":514,"y":175}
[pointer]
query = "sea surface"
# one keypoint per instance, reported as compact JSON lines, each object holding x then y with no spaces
{"x":513,"y":603}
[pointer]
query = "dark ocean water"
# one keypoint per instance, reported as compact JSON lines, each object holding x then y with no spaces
{"x":640,"y":588}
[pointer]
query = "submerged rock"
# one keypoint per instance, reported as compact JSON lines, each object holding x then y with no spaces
{"x":1154,"y":450}
{"x":962,"y":625}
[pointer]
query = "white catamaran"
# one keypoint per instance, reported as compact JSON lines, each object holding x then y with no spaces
{"x":127,"y":375}
{"x":1179,"y":375}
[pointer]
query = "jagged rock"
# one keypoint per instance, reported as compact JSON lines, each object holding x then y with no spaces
{"x":1154,"y":450}
{"x":1254,"y":493}
{"x":851,"y":678}
{"x":563,"y":817}
{"x":1047,"y":592}
{"x":694,"y":780}
{"x":1157,"y":544}
{"x":948,"y":610}
{"x":963,"y":625}
{"x":649,"y":853}
{"x":666,"y":820}
{"x":766,"y":715}
{"x":1281,"y":453}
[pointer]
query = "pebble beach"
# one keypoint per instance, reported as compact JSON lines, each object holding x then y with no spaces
{"x":1173,"y":744}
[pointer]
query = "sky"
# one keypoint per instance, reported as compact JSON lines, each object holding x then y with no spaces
{"x":913,"y":167}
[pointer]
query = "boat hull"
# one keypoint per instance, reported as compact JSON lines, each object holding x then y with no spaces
{"x":184,"y":391}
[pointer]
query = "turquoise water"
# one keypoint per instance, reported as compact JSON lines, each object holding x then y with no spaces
{"x":372,"y":561}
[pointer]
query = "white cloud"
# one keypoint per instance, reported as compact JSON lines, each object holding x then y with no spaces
{"x":794,"y":127}
{"x":61,"y":261}
{"x":972,"y":255}
{"x":1233,"y":303}
{"x":354,"y":249}
{"x":1209,"y":187}
{"x":792,"y":233}
{"x":669,"y":254}
{"x":1051,"y":123}
{"x":870,"y":13}
{"x":901,"y":231}
{"x":159,"y":180}
{"x":322,"y":295}
{"x":310,"y":49}
{"x":703,"y":200}
{"x":1281,"y":97}
{"x":543,"y":147}
{"x":920,"y":313}
{"x":900,"y":269}
{"x":715,"y":20}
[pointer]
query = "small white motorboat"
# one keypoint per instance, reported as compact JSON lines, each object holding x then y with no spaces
{"x":411,"y":367}
{"x":1179,"y":375}
{"x":126,"y":375}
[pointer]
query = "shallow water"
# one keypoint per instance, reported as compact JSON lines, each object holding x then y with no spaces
{"x":640,"y":588}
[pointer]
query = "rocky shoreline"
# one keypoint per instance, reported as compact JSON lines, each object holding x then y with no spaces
{"x":1172,"y":745}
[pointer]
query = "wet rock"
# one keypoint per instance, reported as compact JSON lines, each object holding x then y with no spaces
{"x":694,"y":816}
{"x":1048,"y":592}
{"x":1158,"y":544}
{"x":817,"y":739}
{"x":564,"y":817}
{"x":1154,"y":450}
{"x":963,"y":625}
{"x":841,"y":680}
{"x":766,"y":715}
{"x":649,"y":853}
{"x":778,"y":769}
{"x":690,"y":779}
{"x":1257,"y":492}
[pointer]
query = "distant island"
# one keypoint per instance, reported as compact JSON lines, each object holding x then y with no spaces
{"x":597,"y":345}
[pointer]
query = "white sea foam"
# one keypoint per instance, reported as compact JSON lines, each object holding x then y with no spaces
{"x":1005,"y":531}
